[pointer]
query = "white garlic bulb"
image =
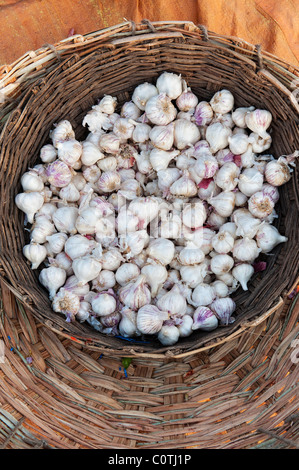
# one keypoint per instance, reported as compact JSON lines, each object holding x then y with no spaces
{"x":66,"y":302}
{"x":135,"y":294}
{"x":242,"y":273}
{"x":173,"y":302}
{"x":48,"y":153}
{"x":142,"y":93}
{"x":260,"y":205}
{"x":268,"y":236}
{"x":168,"y":335}
{"x":187,"y":100}
{"x":65,"y":218}
{"x":217,"y":135}
{"x":104,"y":281}
{"x":226,"y":177}
{"x":185,"y":133}
{"x":126,"y":272}
{"x":78,"y":245}
{"x":162,"y":137}
{"x":29,"y":203}
{"x":246,"y":249}
{"x":160,"y":110}
{"x":161,"y":250}
{"x":194,"y":215}
{"x":238,"y":116}
{"x":258,"y":121}
{"x":86,"y":268}
{"x":223,"y":203}
{"x":223,"y":242}
{"x":222,"y":101}
{"x":31,"y":182}
{"x":221,"y":264}
{"x":52,"y":278}
{"x":103,"y":303}
{"x":203,"y":295}
{"x":223,"y":309}
{"x":171,"y":84}
{"x":35,"y":253}
{"x":128,"y":323}
{"x":150,"y":319}
{"x":156,"y":275}
{"x":204,"y":319}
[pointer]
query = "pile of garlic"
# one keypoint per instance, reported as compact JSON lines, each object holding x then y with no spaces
{"x":150,"y":224}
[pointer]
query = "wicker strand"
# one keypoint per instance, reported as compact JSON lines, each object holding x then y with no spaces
{"x":149,"y":24}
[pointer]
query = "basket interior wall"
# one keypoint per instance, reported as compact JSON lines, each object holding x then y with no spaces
{"x":68,"y":90}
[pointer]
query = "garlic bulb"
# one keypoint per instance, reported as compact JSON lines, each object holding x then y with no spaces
{"x":173,"y":302}
{"x":59,"y":174}
{"x":171,"y":84}
{"x":107,"y":104}
{"x":246,"y":249}
{"x":223,"y":203}
{"x":35,"y":253}
{"x":145,"y":208}
{"x":187,"y":100}
{"x":243,"y":272}
{"x":220,"y":288}
{"x":226,"y":177}
{"x":128,"y":323}
{"x":162,"y":137}
{"x":150,"y":319}
{"x":204,"y":319}
{"x":194,"y":215}
{"x":221,"y":264}
{"x":223,"y":309}
{"x":126,"y":273}
{"x":258,"y":121}
{"x":56,"y":242}
{"x":66,"y":302}
{"x":29,"y":203}
{"x":41,"y":229}
{"x":268,"y":236}
{"x":168,"y":335}
{"x":142,"y":93}
{"x":103,"y":303}
{"x":78,"y":245}
{"x":247,"y":225}
{"x":135,"y":294}
{"x":86,"y":268}
{"x":104,"y":281}
{"x":130,"y":110}
{"x":185,"y":326}
{"x":155,"y":275}
{"x":238,"y":116}
{"x":109,"y":181}
{"x":69,"y":151}
{"x":205,"y":167}
{"x":222,"y":101}
{"x":203,"y":295}
{"x":183,"y":187}
{"x":48,"y":153}
{"x":223,"y":242}
{"x":31,"y":182}
{"x":161,"y":250}
{"x":217,"y":135}
{"x":123,"y":128}
{"x":160,"y":110}
{"x":62,"y":131}
{"x":238,"y":143}
{"x":160,"y":159}
{"x":190,"y":255}
{"x":203,"y":113}
{"x":111,"y":259}
{"x":52,"y":278}
{"x":141,"y":132}
{"x":185,"y":133}
{"x":260,"y":205}
{"x":277,"y":172}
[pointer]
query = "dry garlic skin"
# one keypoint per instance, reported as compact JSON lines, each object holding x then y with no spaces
{"x":147,"y":227}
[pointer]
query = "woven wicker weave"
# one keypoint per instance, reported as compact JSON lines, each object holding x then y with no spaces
{"x":64,"y":81}
{"x":68,"y":389}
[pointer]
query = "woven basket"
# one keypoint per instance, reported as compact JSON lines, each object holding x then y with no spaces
{"x":65,"y":80}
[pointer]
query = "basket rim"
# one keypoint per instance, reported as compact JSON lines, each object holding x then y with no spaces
{"x":30,"y":66}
